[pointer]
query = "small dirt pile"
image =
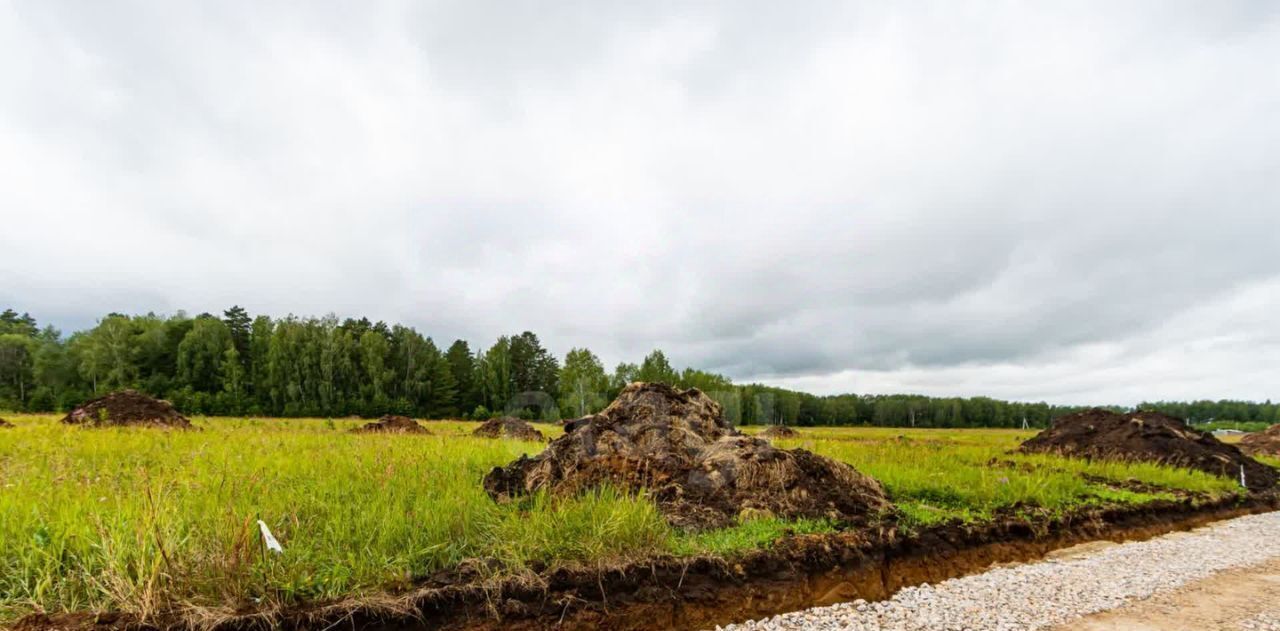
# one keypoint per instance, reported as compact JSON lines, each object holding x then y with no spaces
{"x":508,"y":427}
{"x":5,"y":424}
{"x":127,"y":407}
{"x":1264,"y":443}
{"x":778,"y":431}
{"x":392,"y":424}
{"x":700,"y":470}
{"x":1150,"y":437}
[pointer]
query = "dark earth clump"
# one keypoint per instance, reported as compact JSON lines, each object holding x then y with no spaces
{"x":392,"y":424}
{"x":779,"y":431}
{"x":127,"y":407}
{"x":1147,"y":436}
{"x":5,"y":424}
{"x":508,"y":427}
{"x":1264,"y":443}
{"x":701,"y":472}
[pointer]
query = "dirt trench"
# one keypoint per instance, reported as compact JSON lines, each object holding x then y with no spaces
{"x":699,"y":593}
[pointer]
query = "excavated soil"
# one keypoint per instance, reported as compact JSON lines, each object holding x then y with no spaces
{"x":701,"y":472}
{"x":1264,"y":443}
{"x":392,"y":424}
{"x":1151,"y":437}
{"x":508,"y":427}
{"x":778,"y":431}
{"x":5,"y":424}
{"x":127,"y":407}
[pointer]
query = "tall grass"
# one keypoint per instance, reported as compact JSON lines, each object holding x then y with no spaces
{"x":147,"y":519}
{"x":141,"y":520}
{"x":941,"y":475}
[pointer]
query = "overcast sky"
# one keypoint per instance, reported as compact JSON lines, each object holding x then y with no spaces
{"x":1072,"y":204}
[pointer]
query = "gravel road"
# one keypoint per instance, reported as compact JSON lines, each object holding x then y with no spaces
{"x":1061,"y":589}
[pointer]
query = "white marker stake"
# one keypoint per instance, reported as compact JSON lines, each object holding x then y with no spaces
{"x":269,"y":539}
{"x":1242,"y":477}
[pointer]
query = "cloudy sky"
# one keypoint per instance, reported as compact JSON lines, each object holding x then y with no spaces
{"x":1072,"y":204}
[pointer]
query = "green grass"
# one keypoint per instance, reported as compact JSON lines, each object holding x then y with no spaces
{"x":968,"y":475}
{"x":140,"y":520}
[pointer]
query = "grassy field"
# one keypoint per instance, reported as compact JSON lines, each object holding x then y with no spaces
{"x":141,"y":520}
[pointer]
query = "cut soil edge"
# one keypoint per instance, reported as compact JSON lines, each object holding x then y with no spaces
{"x":797,"y":573}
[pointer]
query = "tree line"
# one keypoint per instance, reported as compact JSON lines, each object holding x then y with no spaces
{"x":235,"y":364}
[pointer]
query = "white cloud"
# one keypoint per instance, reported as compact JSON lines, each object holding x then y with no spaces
{"x":935,"y":198}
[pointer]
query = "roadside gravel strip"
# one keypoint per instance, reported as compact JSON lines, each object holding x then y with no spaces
{"x":1054,"y":591}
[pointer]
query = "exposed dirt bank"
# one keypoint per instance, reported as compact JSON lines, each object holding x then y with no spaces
{"x":797,"y":573}
{"x":1150,"y":437}
{"x":392,"y":424}
{"x":778,"y":431}
{"x":127,"y":408}
{"x":508,"y":427}
{"x":701,"y":472}
{"x":1264,"y":443}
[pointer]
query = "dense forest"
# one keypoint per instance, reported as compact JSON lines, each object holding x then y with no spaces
{"x":325,"y":367}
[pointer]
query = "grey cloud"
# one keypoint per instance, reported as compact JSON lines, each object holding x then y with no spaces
{"x":836,"y":196}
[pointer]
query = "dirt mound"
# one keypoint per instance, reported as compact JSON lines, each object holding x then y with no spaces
{"x":701,"y":472}
{"x":1264,"y":443}
{"x":778,"y":431}
{"x":1147,"y":436}
{"x":4,"y":424}
{"x":508,"y":427}
{"x":127,"y":407}
{"x":391,"y":424}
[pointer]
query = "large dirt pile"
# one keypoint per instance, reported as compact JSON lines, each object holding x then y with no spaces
{"x":391,"y":424}
{"x":778,"y":431}
{"x":1264,"y":443}
{"x":1147,"y":436}
{"x":127,"y":407}
{"x":701,"y":472}
{"x":508,"y":427}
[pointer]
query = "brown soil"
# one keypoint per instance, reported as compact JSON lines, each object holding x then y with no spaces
{"x":778,"y":431}
{"x":702,"y":473}
{"x":127,"y":407}
{"x":1233,"y":599}
{"x":798,"y":572}
{"x":5,"y":424}
{"x":1151,"y":437}
{"x":1264,"y":443}
{"x":391,"y":424}
{"x":508,"y":427}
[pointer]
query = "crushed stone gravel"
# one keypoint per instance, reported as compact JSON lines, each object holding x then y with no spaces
{"x":1050,"y":592}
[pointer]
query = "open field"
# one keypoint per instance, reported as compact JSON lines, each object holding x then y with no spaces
{"x":142,"y":521}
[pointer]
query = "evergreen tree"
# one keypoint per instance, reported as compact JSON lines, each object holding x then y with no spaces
{"x":462,"y":366}
{"x":533,"y":368}
{"x":239,"y":325}
{"x":12,"y":323}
